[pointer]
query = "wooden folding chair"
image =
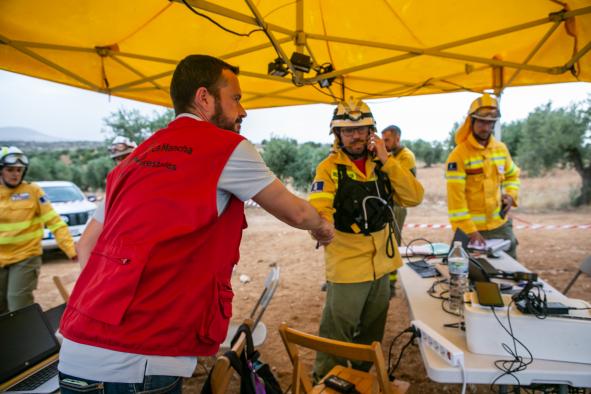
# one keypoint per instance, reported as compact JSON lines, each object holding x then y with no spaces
{"x":365,"y":382}
{"x":222,"y":370}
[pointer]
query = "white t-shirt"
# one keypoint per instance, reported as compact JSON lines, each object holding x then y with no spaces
{"x":244,"y":175}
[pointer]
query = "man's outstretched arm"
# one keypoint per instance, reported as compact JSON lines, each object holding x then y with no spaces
{"x":290,"y":209}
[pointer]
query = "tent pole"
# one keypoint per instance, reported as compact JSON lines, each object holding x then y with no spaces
{"x":261,"y":23}
{"x":534,"y":51}
{"x":51,"y":64}
{"x":229,"y":13}
{"x":136,"y":72}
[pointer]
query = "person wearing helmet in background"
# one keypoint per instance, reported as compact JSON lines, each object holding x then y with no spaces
{"x":482,"y":179}
{"x":406,"y":158}
{"x":355,"y":188}
{"x":120,"y":148}
{"x":24,"y":210}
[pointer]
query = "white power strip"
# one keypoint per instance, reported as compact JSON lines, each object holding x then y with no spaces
{"x":442,"y":346}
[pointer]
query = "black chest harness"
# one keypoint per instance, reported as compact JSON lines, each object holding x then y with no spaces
{"x":364,"y":207}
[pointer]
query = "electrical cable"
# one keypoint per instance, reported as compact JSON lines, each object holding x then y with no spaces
{"x":390,"y":369}
{"x":432,"y":290}
{"x":409,"y":247}
{"x":407,"y":344}
{"x":324,"y":93}
{"x":218,"y":24}
{"x":517,"y":363}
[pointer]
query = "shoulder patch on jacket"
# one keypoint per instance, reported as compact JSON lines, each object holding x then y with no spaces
{"x":317,"y":186}
{"x":453,"y":166}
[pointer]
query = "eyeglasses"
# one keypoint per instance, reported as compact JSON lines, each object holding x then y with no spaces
{"x":349,"y":131}
{"x":15,"y":158}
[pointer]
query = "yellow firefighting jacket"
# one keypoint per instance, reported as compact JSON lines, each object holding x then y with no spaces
{"x":406,"y":159}
{"x":23,"y":212}
{"x":354,"y":258}
{"x":475,"y":175}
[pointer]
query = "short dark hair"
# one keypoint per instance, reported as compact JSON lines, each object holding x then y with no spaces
{"x":393,"y":129}
{"x":193,"y":72}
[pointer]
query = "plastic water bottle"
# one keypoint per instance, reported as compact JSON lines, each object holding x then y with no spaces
{"x":457,"y":263}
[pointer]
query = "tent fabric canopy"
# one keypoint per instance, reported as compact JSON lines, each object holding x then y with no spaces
{"x":372,"y":49}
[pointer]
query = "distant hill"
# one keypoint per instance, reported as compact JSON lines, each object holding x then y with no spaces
{"x":12,"y":133}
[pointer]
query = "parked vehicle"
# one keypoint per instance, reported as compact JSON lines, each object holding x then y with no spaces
{"x":71,"y":204}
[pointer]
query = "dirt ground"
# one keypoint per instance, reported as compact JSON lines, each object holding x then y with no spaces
{"x":554,"y":254}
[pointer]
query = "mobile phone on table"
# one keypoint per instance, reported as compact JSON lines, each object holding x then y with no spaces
{"x":339,"y":384}
{"x":489,"y":294}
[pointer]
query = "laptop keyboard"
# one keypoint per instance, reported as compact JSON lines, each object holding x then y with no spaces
{"x":37,"y":379}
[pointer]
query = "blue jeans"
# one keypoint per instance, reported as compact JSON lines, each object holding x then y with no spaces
{"x":152,"y":384}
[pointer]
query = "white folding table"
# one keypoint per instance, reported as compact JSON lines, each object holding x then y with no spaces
{"x":480,"y":369}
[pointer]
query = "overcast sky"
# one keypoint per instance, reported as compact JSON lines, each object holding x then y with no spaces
{"x":71,"y":113}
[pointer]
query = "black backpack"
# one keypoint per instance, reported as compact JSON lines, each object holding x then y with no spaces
{"x":255,"y":376}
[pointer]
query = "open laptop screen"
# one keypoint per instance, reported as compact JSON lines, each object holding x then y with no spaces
{"x":461,"y":236}
{"x":25,"y":339}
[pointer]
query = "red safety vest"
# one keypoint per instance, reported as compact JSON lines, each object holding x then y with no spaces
{"x":158,"y":279}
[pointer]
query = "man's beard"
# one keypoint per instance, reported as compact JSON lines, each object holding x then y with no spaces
{"x":353,"y":155}
{"x":482,"y":140}
{"x":222,"y":121}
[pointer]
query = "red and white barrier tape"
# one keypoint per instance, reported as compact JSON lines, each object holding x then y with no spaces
{"x":517,"y":226}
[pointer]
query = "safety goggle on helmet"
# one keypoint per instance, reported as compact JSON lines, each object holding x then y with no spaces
{"x":353,"y":113}
{"x":486,"y":108}
{"x":13,"y":157}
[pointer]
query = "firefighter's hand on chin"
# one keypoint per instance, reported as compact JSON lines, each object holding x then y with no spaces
{"x":377,"y":147}
{"x":323,"y":234}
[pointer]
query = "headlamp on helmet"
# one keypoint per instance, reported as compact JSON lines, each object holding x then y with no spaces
{"x":354,"y":113}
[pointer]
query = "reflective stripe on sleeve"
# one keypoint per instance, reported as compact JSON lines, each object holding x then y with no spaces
{"x":317,"y":196}
{"x":455,"y":177}
{"x":27,"y":223}
{"x":59,"y":224}
{"x":511,"y":185}
{"x":511,"y":170}
{"x":47,"y":216}
{"x":458,"y":215}
{"x":479,"y":218}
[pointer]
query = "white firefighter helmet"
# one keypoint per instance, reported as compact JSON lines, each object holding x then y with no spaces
{"x":353,"y":113}
{"x":121,"y":146}
{"x":485,"y":107}
{"x":11,"y":156}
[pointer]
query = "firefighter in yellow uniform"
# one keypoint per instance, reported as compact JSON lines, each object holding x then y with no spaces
{"x":355,"y":188}
{"x":24,"y":210}
{"x":406,"y":158}
{"x":482,"y":179}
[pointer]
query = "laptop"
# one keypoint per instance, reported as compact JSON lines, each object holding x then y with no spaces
{"x":461,"y":236}
{"x":54,"y":316}
{"x":29,"y":352}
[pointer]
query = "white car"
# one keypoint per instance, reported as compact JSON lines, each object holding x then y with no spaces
{"x":72,"y":206}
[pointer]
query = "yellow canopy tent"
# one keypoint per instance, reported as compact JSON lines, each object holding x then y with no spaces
{"x":367,"y":49}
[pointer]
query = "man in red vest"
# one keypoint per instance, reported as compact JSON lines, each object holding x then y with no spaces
{"x":155,"y":292}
